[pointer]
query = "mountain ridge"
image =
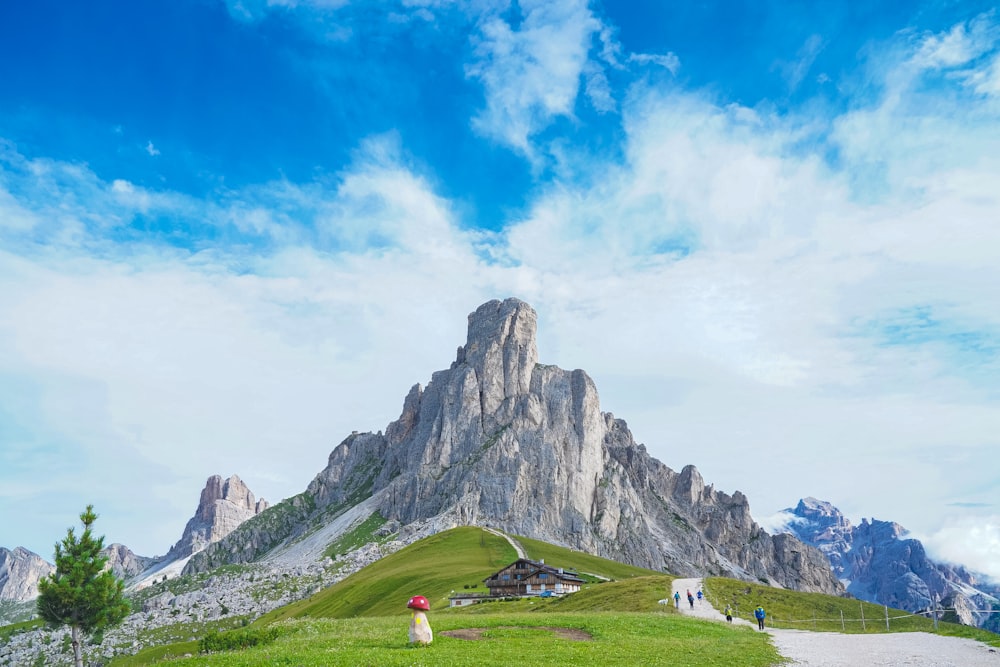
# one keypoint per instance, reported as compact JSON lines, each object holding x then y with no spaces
{"x":877,"y":562}
{"x":500,"y":440}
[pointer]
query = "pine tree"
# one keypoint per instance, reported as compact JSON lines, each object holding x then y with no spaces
{"x":82,"y":593}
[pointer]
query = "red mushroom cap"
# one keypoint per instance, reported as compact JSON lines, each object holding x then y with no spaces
{"x":418,"y":602}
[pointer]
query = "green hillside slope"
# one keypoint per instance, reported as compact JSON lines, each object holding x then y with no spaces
{"x":454,"y":560}
{"x":432,"y":567}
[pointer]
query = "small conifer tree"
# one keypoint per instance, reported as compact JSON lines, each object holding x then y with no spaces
{"x":82,"y":593}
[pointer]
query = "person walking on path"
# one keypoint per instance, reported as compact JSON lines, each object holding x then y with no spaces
{"x":759,"y":614}
{"x":728,"y":611}
{"x":677,"y":599}
{"x":699,"y":595}
{"x":690,"y":599}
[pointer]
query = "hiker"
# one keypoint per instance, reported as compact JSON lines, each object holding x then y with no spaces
{"x":690,"y":599}
{"x":677,"y":599}
{"x":728,"y":611}
{"x":699,"y":596}
{"x":759,"y":614}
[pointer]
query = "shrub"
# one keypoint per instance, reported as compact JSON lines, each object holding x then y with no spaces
{"x":237,"y":639}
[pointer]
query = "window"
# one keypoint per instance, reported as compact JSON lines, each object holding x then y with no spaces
{"x":543,"y":575}
{"x":505,"y":577}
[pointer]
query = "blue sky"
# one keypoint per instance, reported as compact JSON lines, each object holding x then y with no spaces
{"x":233,"y":232}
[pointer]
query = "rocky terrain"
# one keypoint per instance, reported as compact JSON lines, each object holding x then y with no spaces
{"x":126,"y":564}
{"x":223,"y":505}
{"x":20,"y":571}
{"x":186,"y":607}
{"x":499,"y":439}
{"x":877,"y":562}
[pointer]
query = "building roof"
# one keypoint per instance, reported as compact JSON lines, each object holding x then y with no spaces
{"x":534,"y":567}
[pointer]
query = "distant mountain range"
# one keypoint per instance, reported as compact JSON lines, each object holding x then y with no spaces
{"x":223,"y":506}
{"x":878,"y":563}
{"x":500,"y":440}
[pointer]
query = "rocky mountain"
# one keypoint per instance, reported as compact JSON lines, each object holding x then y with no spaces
{"x":877,"y":562}
{"x":224,"y":505}
{"x":20,"y":571}
{"x":501,"y":440}
{"x":126,"y":564}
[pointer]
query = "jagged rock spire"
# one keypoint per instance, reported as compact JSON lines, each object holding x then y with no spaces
{"x":224,"y":505}
{"x":501,"y":349}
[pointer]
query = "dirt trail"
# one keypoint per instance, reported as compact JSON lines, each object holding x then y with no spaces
{"x":514,"y":543}
{"x":833,"y":649}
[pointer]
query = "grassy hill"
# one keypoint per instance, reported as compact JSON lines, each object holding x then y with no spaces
{"x":362,"y":619}
{"x":432,"y":567}
{"x":454,"y":560}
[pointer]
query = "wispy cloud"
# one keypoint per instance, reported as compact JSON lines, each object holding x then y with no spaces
{"x":668,"y":61}
{"x":795,"y":71}
{"x":767,"y":271}
{"x":530,"y":71}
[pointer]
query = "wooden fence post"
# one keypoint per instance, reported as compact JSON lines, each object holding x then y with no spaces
{"x":842,"y":627}
{"x":863,"y":627}
{"x":886,"y":617}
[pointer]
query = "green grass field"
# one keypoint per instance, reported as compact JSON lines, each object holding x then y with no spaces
{"x":620,"y":638}
{"x":823,"y":613}
{"x":362,"y":620}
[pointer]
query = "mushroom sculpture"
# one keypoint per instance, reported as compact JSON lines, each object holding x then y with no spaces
{"x":420,"y":629}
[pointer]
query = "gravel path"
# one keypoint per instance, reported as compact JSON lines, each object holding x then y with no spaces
{"x":832,"y":649}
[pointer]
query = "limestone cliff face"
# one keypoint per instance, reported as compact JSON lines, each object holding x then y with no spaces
{"x":878,"y":563}
{"x":224,"y":505}
{"x":499,"y":439}
{"x":20,"y":571}
{"x":124,"y":563}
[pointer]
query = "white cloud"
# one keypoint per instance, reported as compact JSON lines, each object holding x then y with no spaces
{"x":964,"y":42}
{"x":668,"y":61}
{"x":779,"y":522}
{"x":986,"y":79}
{"x":255,"y":10}
{"x":796,"y":70}
{"x":531,"y":73}
{"x":972,"y":541}
{"x":152,"y":150}
{"x":724,"y":285}
{"x":173,"y":366}
{"x":599,"y":90}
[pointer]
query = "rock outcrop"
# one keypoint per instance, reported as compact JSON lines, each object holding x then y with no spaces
{"x":501,"y":440}
{"x":126,"y":564}
{"x":224,"y":505}
{"x":878,"y":563}
{"x":20,"y":571}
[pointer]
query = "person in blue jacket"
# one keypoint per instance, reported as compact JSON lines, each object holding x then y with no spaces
{"x":759,"y":614}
